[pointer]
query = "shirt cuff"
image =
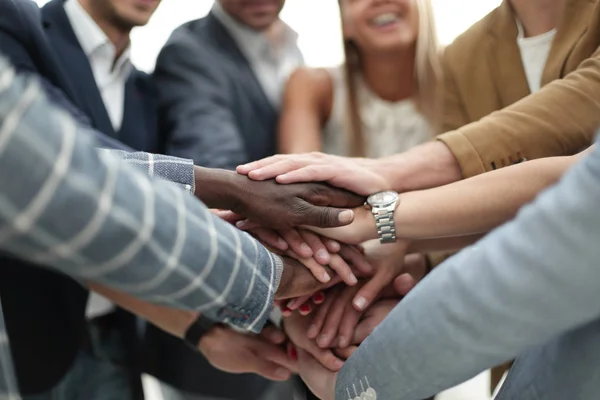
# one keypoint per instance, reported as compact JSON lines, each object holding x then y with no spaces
{"x":467,"y":156}
{"x":254,"y":315}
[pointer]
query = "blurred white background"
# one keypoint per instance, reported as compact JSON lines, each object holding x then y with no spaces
{"x":316,"y":21}
{"x":318,"y":25}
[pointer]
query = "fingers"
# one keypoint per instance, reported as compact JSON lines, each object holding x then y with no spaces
{"x":333,"y":246}
{"x":285,"y":174}
{"x":297,"y":280}
{"x":273,"y":335}
{"x":341,"y":267}
{"x":330,"y":329}
{"x":356,"y":258}
{"x":320,"y":381}
{"x":348,"y":324}
{"x":277,"y":165}
{"x":296,"y":243}
{"x":269,"y":370}
{"x":404,"y":284}
{"x":319,"y":271}
{"x":273,"y":357}
{"x":228,"y":216}
{"x":322,"y":311}
{"x":247,"y":168}
{"x":369,"y":292}
{"x":317,"y":245}
{"x":363,"y":330}
{"x":318,"y":298}
{"x":270,"y":238}
{"x":346,"y":352}
{"x":324,"y":356}
{"x":327,"y":217}
{"x":296,"y":303}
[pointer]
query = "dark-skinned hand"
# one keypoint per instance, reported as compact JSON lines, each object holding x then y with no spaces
{"x":276,"y":206}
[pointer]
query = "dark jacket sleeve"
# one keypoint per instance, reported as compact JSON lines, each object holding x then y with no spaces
{"x":195,"y":103}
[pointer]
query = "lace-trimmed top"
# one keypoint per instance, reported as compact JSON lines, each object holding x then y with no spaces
{"x":388,"y":127}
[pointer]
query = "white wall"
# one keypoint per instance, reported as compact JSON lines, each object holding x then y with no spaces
{"x":316,"y":21}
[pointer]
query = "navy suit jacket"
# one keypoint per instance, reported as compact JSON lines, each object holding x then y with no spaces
{"x":42,"y":42}
{"x":44,"y":311}
{"x":212,"y":106}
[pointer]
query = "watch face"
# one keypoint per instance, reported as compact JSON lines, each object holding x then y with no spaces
{"x":382,"y":198}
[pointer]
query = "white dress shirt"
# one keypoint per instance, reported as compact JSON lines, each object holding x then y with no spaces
{"x":271,"y":59}
{"x":534,"y":54}
{"x":111,"y":77}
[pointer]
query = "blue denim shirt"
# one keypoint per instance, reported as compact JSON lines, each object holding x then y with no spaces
{"x":528,"y":281}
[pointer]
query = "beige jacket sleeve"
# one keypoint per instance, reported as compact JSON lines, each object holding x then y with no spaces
{"x":560,"y":119}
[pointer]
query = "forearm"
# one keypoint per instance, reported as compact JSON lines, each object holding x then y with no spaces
{"x":478,"y":204}
{"x":512,"y":281}
{"x":429,"y":165}
{"x":443,"y":244}
{"x":171,"y":320}
{"x":471,"y":206}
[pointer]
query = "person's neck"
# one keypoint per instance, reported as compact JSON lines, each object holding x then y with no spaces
{"x":391,"y":78}
{"x":118,"y":36}
{"x":538,"y":16}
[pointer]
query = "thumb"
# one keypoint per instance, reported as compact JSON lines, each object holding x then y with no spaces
{"x":319,"y":380}
{"x":328,"y":217}
{"x":404,"y":284}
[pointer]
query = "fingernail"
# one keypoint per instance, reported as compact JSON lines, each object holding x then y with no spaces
{"x":282,"y":373}
{"x":360,"y":303}
{"x":323,"y":255}
{"x":312,"y":331}
{"x":305,"y":309}
{"x":352,"y":280}
{"x":323,"y":340}
{"x":304,"y":248}
{"x":345,"y":217}
{"x":291,"y":304}
{"x":342,"y":342}
{"x":241,"y":224}
{"x":319,"y":298}
{"x":293,"y":353}
{"x":286,"y":312}
{"x":338,"y":363}
{"x":282,"y":244}
{"x":326,"y":277}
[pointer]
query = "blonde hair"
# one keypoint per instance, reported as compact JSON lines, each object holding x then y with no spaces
{"x":428,"y":78}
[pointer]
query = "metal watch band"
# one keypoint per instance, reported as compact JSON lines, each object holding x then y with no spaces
{"x":384,"y":221}
{"x":196,"y":330}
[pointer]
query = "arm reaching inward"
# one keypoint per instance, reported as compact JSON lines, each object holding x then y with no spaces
{"x":99,"y":219}
{"x":471,"y":206}
{"x":306,"y":108}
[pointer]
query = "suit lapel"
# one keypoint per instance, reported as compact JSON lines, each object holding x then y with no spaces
{"x":139,"y":127}
{"x":572,"y":27}
{"x":229,"y":47}
{"x":76,"y":65}
{"x":504,"y":57}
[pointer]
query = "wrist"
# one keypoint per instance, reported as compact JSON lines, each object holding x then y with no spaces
{"x":429,"y":165}
{"x":209,"y":340}
{"x":216,"y":188}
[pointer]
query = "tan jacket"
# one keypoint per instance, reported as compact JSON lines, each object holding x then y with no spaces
{"x":484,"y":74}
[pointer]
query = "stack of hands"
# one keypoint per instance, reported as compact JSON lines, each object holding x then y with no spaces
{"x":348,"y":284}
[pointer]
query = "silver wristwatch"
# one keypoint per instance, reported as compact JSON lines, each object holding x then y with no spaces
{"x":383,"y":205}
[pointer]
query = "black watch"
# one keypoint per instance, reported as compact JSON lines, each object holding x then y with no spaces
{"x":198,"y":329}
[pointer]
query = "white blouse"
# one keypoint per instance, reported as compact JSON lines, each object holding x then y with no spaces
{"x":388,"y":127}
